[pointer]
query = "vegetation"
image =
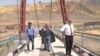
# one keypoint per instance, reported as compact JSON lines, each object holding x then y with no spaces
{"x":80,"y":11}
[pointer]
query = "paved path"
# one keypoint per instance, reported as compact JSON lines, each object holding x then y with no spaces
{"x":37,"y":43}
{"x":57,"y":49}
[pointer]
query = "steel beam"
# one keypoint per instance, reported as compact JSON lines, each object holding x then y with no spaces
{"x":63,"y":10}
{"x":22,"y":16}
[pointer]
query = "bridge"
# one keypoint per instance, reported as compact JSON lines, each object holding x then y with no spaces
{"x":85,"y":44}
{"x":13,"y":46}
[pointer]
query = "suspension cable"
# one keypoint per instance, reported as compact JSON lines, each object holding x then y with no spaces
{"x":67,"y":10}
{"x":18,"y":14}
{"x":36,"y":14}
{"x":18,"y":20}
{"x":50,"y":11}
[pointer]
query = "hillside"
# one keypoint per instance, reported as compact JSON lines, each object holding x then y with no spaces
{"x":74,"y":6}
{"x":80,"y":12}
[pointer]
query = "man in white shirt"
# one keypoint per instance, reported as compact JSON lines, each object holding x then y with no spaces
{"x":67,"y":32}
{"x":30,"y":35}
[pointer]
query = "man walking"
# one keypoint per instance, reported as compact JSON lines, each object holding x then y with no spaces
{"x":67,"y":31}
{"x":47,"y":37}
{"x":30,"y":35}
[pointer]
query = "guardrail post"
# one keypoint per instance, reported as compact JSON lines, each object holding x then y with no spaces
{"x":82,"y":40}
{"x":80,"y":51}
{"x":8,"y":45}
{"x":1,"y":49}
{"x":20,"y":42}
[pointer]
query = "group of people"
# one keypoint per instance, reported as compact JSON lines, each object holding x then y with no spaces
{"x":47,"y":36}
{"x":45,"y":33}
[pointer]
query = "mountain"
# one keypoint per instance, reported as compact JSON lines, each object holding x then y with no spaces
{"x":77,"y":9}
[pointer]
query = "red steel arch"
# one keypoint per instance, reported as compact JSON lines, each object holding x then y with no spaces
{"x":23,"y":13}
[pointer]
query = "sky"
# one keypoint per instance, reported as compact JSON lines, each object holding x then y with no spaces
{"x":9,"y":2}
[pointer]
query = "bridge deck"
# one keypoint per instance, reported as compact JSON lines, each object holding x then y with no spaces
{"x":57,"y":49}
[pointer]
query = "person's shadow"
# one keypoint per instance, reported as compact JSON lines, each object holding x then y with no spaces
{"x":59,"y":46}
{"x":41,"y":49}
{"x":59,"y":54}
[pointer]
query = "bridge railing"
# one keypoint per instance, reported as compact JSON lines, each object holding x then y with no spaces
{"x":87,"y":41}
{"x":90,"y":42}
{"x":9,"y":44}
